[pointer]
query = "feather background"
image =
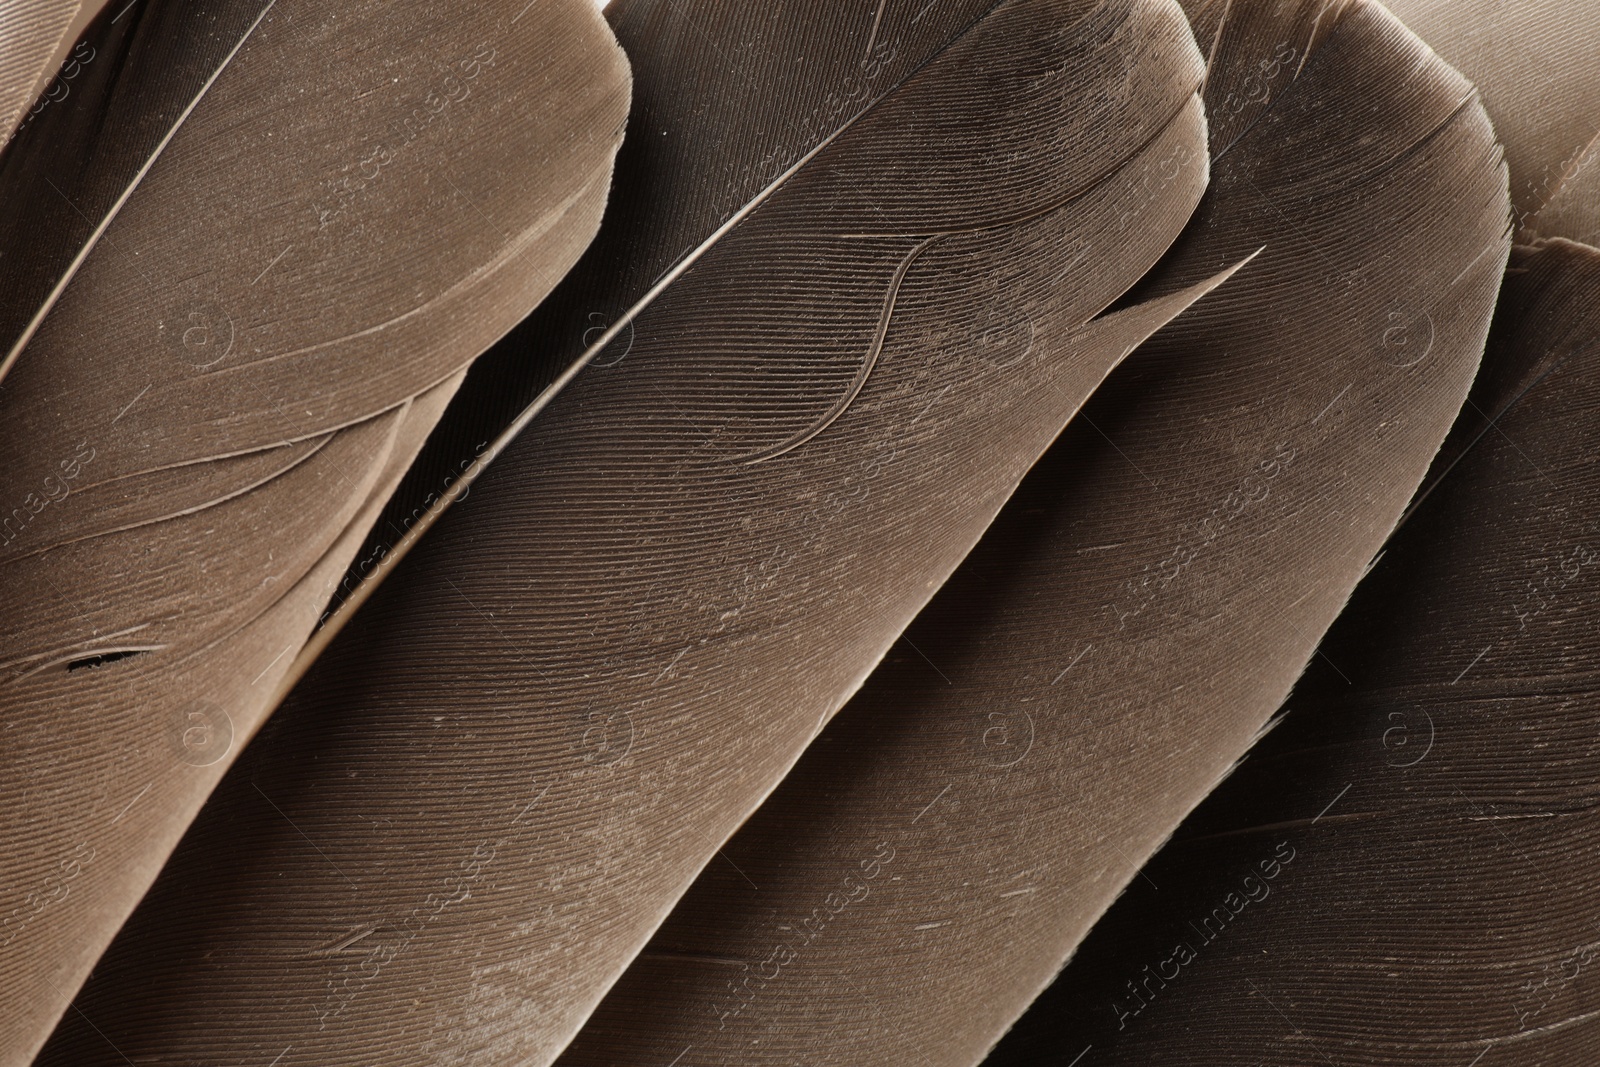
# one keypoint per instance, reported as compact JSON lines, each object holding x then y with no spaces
{"x":561,"y":632}
{"x":1478,"y":976}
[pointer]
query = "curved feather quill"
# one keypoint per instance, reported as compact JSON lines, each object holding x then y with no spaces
{"x":524,"y":747}
{"x":199,"y":434}
{"x":1401,"y":874}
{"x":1142,"y":605}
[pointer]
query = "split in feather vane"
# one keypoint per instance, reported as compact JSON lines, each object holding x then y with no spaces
{"x":124,"y":89}
{"x":521,"y":751}
{"x":1403,"y":873}
{"x":196,"y":440}
{"x":1537,"y":64}
{"x":35,"y":38}
{"x":1141,"y":606}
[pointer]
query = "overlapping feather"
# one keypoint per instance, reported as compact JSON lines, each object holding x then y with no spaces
{"x":861,"y":267}
{"x":595,"y":667}
{"x":197,"y":437}
{"x":128,"y":82}
{"x":1534,"y":63}
{"x":1141,"y":607}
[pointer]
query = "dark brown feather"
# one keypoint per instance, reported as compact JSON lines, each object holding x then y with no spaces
{"x":1433,"y":781}
{"x":1142,"y":605}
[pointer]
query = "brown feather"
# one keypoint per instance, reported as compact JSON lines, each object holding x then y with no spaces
{"x":123,"y":89}
{"x":1143,"y":604}
{"x":198,"y":436}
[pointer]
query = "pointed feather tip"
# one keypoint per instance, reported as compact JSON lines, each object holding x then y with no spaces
{"x":1202,"y":288}
{"x":1193,"y":294}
